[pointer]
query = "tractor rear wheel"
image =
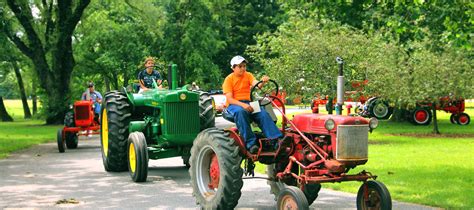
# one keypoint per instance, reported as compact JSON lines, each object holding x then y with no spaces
{"x":292,"y":198}
{"x":115,"y":119}
{"x":310,"y":191}
{"x":378,"y":196}
{"x":206,"y":111}
{"x":60,"y":140}
{"x":216,"y":175}
{"x":137,"y":157}
{"x":69,"y":120}
{"x":71,"y":140}
{"x":463,"y":119}
{"x":421,"y":116}
{"x":380,"y":109}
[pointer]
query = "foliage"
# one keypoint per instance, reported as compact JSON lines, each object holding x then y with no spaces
{"x":42,"y":31}
{"x":303,"y":50}
{"x":114,"y":51}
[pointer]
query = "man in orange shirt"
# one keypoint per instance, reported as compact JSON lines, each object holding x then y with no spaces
{"x":236,"y":88}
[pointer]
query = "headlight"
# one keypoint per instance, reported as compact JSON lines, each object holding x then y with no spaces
{"x":373,"y":123}
{"x":329,"y":124}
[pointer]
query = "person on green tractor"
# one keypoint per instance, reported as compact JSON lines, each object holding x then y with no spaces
{"x":95,"y":97}
{"x":147,"y":76}
{"x":236,"y":88}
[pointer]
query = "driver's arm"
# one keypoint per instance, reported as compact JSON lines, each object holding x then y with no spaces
{"x":264,"y":80}
{"x":159,"y":81}
{"x":230,"y":98}
{"x":142,"y":85}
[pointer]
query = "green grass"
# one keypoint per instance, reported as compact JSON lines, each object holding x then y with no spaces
{"x":419,"y":167}
{"x":21,"y":133}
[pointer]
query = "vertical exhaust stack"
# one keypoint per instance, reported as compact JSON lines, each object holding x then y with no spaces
{"x":340,"y":86}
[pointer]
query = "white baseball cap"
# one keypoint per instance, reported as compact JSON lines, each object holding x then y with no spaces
{"x":236,"y":60}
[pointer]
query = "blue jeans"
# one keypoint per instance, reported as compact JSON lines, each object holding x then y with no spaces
{"x":242,"y":120}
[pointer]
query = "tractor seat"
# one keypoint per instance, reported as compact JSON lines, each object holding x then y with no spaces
{"x":228,"y":116}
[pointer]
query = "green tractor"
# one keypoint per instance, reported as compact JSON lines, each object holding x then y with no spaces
{"x":155,"y":124}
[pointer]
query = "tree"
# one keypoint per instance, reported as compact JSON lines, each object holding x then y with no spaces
{"x":43,"y":31}
{"x":13,"y":57}
{"x":115,"y":51}
{"x":191,"y":42}
{"x":3,"y":112}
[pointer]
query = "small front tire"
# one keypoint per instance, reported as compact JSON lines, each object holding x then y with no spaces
{"x":292,"y":198}
{"x":137,"y":157}
{"x":60,"y":140}
{"x":378,"y":196}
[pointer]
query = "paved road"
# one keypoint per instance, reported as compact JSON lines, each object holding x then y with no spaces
{"x":40,"y":177}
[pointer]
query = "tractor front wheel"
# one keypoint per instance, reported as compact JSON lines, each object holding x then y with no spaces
{"x":216,"y":175}
{"x":71,"y":140}
{"x":292,"y":198}
{"x":373,"y":195}
{"x":115,"y":118}
{"x":60,"y":139}
{"x":137,"y":157}
{"x":310,"y":191}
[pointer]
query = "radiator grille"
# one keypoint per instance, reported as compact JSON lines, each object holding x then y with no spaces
{"x":182,"y":118}
{"x":352,"y":142}
{"x":82,"y":112}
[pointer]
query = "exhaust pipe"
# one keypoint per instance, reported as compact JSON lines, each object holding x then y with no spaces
{"x":340,"y":86}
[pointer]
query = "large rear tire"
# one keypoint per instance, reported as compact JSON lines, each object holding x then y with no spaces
{"x":380,"y":109}
{"x":69,"y":120}
{"x":378,"y":196}
{"x":137,"y":157}
{"x":216,"y":175}
{"x":421,"y":116}
{"x":206,"y":111}
{"x":115,"y":119}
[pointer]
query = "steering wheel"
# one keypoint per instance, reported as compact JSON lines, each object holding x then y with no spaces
{"x":161,"y":71}
{"x":262,"y":93}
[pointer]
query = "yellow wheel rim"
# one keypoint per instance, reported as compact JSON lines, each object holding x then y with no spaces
{"x":131,"y":158}
{"x":104,"y":133}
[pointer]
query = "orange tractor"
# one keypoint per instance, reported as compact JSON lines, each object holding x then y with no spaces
{"x":82,"y":118}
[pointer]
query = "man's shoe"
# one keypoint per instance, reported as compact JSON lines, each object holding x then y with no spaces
{"x":254,"y":149}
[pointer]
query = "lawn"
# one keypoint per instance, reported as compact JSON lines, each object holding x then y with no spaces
{"x":22,"y":133}
{"x":420,"y":167}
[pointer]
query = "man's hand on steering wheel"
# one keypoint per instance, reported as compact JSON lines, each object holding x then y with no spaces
{"x":258,"y":92}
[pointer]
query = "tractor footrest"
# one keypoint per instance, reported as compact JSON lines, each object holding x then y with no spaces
{"x":272,"y":154}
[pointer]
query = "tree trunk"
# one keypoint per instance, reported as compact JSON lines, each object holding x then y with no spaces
{"x":435,"y":120}
{"x":3,"y":112}
{"x":399,"y":115}
{"x":24,"y":101}
{"x":34,"y":98}
{"x":107,"y":84}
{"x":52,"y":56}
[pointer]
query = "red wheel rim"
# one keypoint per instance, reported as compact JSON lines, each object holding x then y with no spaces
{"x":462,"y":119}
{"x":421,"y":116}
{"x":214,"y":172}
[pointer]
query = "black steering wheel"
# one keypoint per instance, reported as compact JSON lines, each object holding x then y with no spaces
{"x":161,"y":71}
{"x":261,"y":93}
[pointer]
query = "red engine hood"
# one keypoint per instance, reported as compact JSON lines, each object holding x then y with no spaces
{"x":314,"y":123}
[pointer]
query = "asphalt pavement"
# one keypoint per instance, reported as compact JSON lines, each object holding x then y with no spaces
{"x":42,"y":178}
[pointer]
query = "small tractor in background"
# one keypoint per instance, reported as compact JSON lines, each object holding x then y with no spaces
{"x":154,"y":124}
{"x":315,"y":149}
{"x":79,"y":122}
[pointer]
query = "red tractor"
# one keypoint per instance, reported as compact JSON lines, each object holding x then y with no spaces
{"x":82,"y":118}
{"x":316,"y":149}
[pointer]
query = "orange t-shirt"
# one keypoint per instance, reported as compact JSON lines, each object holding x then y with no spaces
{"x":238,"y":86}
